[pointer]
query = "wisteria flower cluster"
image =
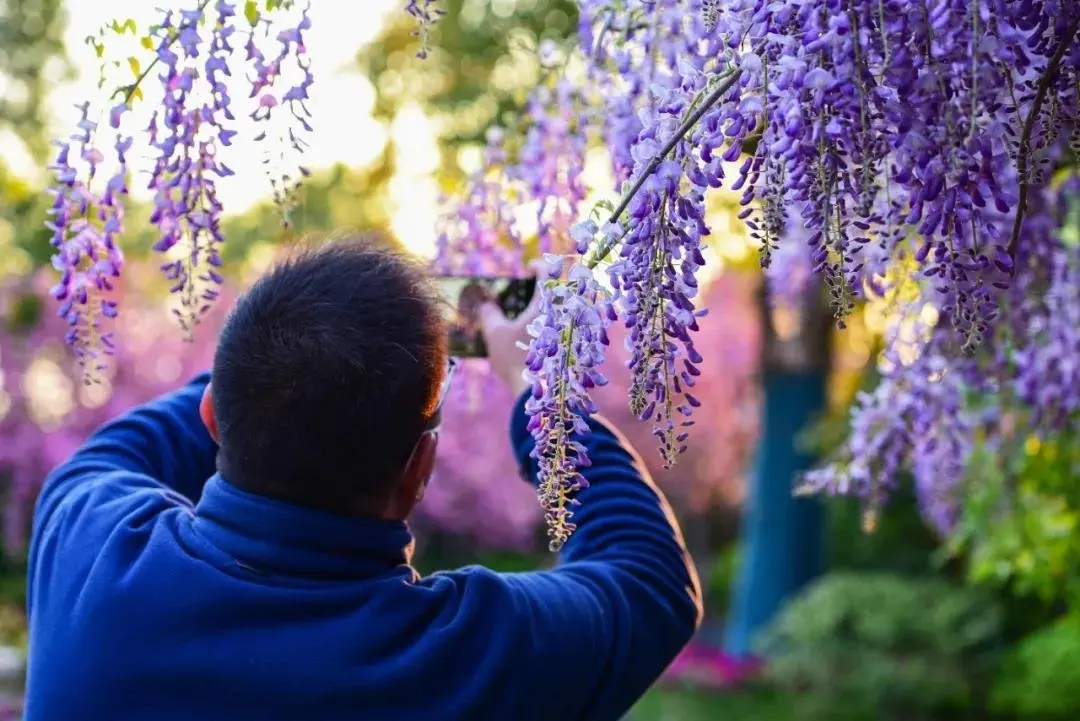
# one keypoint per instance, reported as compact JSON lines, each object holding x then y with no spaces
{"x":475,"y":492}
{"x":193,"y":53}
{"x":896,"y":144}
{"x":86,"y":227}
{"x":899,"y":143}
{"x":480,"y":234}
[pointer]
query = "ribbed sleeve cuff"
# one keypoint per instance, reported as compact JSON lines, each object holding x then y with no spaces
{"x":521,"y":440}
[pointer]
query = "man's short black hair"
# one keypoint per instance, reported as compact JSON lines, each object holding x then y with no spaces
{"x":325,"y":374}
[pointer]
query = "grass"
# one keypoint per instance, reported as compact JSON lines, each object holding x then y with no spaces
{"x":690,"y":704}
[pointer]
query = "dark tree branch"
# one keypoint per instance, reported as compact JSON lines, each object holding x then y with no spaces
{"x":1024,"y":150}
{"x":688,"y":124}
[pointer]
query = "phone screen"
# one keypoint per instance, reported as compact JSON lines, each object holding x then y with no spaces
{"x":463,"y":296}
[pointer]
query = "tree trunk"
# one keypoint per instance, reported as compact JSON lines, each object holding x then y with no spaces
{"x":782,"y":536}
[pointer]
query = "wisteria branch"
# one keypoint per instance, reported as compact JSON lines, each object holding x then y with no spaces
{"x":1024,"y":149}
{"x":725,"y":84}
{"x":130,"y":90}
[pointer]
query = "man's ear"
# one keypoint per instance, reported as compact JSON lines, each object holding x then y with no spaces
{"x":415,"y":478}
{"x":206,"y":411}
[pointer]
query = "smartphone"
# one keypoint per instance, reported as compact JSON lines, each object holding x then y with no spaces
{"x":463,"y":296}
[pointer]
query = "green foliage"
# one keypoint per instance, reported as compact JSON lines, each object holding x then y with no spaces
{"x":880,"y":646}
{"x":481,"y":63}
{"x":338,"y":200}
{"x":899,"y":542}
{"x":690,"y":704}
{"x":12,"y":588}
{"x":31,"y":45}
{"x":721,"y":578}
{"x":335,"y":201}
{"x":13,"y":628}
{"x":442,"y":552}
{"x":1020,"y":526}
{"x":1040,"y":677}
{"x":1070,"y":228}
{"x":31,"y":35}
{"x":25,"y":314}
{"x":124,"y":27}
{"x":24,"y":239}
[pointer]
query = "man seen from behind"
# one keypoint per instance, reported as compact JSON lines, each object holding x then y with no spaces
{"x":238,"y":551}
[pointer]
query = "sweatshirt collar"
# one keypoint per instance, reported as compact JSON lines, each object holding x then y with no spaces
{"x":271,"y":537}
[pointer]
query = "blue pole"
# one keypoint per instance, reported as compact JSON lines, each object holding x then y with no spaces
{"x":782,"y":536}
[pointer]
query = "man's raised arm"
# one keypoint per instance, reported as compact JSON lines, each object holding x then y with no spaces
{"x":162,"y":444}
{"x":624,"y":599}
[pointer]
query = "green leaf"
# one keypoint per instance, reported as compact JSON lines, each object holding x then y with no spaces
{"x":251,"y":11}
{"x":122,"y":27}
{"x":135,"y":65}
{"x":99,"y":47}
{"x":1070,"y":229}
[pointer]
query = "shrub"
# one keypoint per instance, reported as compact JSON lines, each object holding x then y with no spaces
{"x":880,"y":646}
{"x":1040,"y":676}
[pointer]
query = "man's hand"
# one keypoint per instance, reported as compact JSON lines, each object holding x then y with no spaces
{"x":502,"y":335}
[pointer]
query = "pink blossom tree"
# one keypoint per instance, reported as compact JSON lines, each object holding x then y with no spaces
{"x":47,"y":410}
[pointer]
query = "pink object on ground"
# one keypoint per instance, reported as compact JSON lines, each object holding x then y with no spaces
{"x":710,"y":667}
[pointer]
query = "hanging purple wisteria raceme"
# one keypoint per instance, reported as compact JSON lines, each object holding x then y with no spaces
{"x":904,"y":145}
{"x":882,"y":145}
{"x":191,"y":56}
{"x":479,"y":233}
{"x":426,"y":13}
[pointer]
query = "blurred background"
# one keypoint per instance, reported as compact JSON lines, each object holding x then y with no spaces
{"x":856,"y":618}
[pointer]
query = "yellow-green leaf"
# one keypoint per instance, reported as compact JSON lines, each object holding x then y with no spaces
{"x":148,"y":42}
{"x":137,"y":94}
{"x":129,"y":24}
{"x":135,"y":65}
{"x":251,"y":11}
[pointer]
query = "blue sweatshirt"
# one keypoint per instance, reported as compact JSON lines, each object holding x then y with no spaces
{"x":158,"y":591}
